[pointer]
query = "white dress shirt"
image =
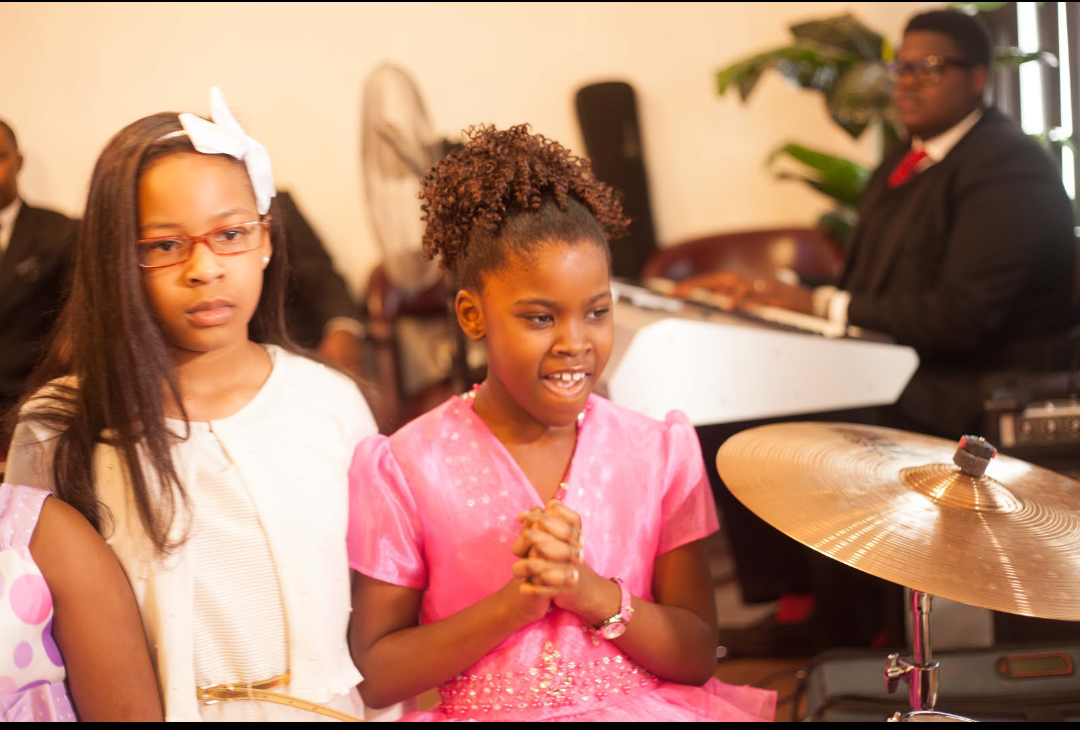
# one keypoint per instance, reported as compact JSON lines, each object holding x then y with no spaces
{"x":7,"y":223}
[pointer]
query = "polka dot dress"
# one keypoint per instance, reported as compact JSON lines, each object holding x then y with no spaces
{"x":31,"y":668}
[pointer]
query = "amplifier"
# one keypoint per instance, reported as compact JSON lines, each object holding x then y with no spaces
{"x":1034,"y":416}
{"x":1016,"y":682}
{"x":1047,"y":423}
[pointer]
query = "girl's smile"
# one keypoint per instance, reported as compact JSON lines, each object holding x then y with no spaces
{"x":569,"y":383}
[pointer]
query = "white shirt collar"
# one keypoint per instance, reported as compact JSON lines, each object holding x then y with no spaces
{"x":937,"y":147}
{"x":7,"y":222}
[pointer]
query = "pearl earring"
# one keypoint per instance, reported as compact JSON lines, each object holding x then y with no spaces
{"x":266,"y":259}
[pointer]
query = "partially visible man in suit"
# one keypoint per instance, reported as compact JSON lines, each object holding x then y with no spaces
{"x":36,"y":248}
{"x":965,"y":249}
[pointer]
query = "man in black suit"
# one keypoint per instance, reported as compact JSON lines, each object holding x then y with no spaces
{"x":35,"y":252}
{"x":965,"y":250}
{"x":970,"y":256}
{"x":965,"y":246}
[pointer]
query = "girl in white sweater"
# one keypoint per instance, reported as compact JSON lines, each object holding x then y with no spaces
{"x":174,"y":413}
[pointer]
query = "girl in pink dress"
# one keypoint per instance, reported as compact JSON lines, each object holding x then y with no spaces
{"x":530,"y":548}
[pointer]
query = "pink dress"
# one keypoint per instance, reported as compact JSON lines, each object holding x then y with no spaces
{"x":31,"y":668}
{"x":434,"y":507}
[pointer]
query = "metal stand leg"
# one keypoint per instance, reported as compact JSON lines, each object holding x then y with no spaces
{"x":921,"y":672}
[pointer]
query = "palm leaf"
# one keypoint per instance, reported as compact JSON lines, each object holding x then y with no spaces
{"x":839,"y":224}
{"x":838,"y":178}
{"x":1057,"y":137}
{"x":1011,"y":57}
{"x":843,"y":33}
{"x":804,"y":65}
{"x":822,"y":53}
{"x":860,"y":96}
{"x":976,"y":8}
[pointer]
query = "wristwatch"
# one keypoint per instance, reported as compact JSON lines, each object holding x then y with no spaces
{"x":615,"y":626}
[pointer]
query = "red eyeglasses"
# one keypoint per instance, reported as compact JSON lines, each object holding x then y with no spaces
{"x":155,"y":253}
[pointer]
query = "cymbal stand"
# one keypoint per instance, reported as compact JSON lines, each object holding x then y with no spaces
{"x":973,"y":454}
{"x":921,"y":671}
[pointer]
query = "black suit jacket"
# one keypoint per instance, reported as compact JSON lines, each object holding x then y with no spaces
{"x":972,"y":263}
{"x":33,"y":276}
{"x":316,"y":293}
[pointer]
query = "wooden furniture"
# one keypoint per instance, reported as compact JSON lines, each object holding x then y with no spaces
{"x":809,"y":252}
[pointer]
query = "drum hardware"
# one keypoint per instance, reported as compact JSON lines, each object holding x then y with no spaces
{"x":928,"y":717}
{"x":921,"y":672}
{"x":882,"y":501}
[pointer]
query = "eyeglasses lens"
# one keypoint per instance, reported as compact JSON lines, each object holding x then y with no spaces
{"x":158,"y":252}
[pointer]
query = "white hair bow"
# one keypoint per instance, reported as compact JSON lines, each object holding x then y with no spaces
{"x":225,"y":136}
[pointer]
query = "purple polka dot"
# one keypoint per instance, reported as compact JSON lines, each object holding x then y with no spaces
{"x":24,"y":654}
{"x":7,"y":685}
{"x":35,"y":683}
{"x":51,"y":649}
{"x":30,"y":599}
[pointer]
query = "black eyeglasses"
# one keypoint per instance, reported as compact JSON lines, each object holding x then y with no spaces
{"x":154,"y":253}
{"x":928,"y":70}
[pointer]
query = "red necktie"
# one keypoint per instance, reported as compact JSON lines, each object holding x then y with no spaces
{"x":908,"y":168}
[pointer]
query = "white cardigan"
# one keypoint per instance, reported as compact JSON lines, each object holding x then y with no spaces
{"x":293,"y":443}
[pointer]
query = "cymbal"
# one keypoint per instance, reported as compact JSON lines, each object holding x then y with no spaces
{"x":892,"y":504}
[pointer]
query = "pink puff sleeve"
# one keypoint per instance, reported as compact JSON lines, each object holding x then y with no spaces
{"x":687,"y":504}
{"x":385,"y":538}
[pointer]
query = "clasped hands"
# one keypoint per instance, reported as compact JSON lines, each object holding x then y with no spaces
{"x":552,"y":570}
{"x":552,"y":551}
{"x":551,"y":548}
{"x":740,"y":291}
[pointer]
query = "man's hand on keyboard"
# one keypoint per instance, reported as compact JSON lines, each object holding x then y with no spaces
{"x":739,"y":292}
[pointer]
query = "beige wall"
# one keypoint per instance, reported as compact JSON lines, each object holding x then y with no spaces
{"x":75,"y":73}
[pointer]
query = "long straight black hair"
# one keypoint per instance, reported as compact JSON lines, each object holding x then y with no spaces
{"x":113,"y":351}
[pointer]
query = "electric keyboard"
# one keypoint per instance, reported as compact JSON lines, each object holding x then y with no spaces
{"x":722,"y":366}
{"x":661,"y":289}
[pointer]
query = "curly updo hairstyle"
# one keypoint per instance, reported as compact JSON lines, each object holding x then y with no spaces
{"x":512,"y":192}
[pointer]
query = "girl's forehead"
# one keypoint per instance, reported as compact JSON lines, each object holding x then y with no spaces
{"x":558,"y":270}
{"x":195,"y":167}
{"x":191,"y":181}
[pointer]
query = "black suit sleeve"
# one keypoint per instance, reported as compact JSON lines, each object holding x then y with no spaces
{"x":317,"y":293}
{"x":1006,"y":215}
